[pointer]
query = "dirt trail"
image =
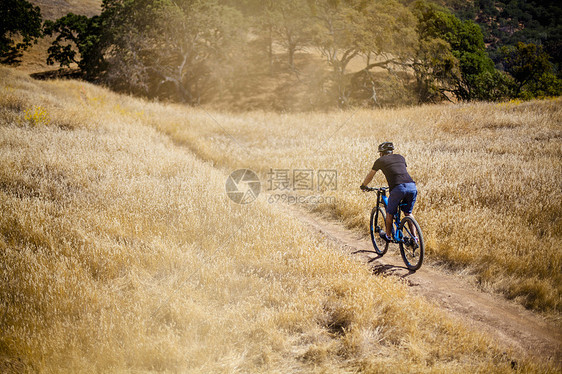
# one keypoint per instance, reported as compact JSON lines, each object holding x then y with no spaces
{"x":508,"y":322}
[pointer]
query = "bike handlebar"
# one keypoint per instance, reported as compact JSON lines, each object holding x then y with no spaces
{"x":372,"y":189}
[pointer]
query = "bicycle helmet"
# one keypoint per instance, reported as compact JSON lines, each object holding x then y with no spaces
{"x":386,"y":147}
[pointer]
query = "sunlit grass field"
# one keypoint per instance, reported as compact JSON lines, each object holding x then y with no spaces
{"x":489,"y":177}
{"x":120,"y":251}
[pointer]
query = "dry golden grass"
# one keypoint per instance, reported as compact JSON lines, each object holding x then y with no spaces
{"x":489,"y":176}
{"x":120,"y":252}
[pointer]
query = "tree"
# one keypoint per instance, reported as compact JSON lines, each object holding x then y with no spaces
{"x":77,"y":32}
{"x":336,"y":33}
{"x":450,"y":56}
{"x":381,"y":31}
{"x":434,"y":69}
{"x":19,"y":28}
{"x":435,"y":66}
{"x":531,"y":69}
{"x":161,"y":48}
{"x":290,"y":20}
{"x":508,"y":22}
{"x":260,"y":24}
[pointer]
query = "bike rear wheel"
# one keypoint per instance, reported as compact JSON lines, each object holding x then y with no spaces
{"x":412,"y":251}
{"x":377,"y":223}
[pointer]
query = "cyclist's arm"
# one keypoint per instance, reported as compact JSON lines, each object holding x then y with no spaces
{"x":369,"y":178}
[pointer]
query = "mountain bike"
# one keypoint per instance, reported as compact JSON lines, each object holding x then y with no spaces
{"x":406,"y":232}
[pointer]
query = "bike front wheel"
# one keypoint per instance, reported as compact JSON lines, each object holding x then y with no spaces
{"x":377,"y":223}
{"x":412,"y":250}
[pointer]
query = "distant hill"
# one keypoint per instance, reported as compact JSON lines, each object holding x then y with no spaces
{"x":53,"y":9}
{"x":511,"y":21}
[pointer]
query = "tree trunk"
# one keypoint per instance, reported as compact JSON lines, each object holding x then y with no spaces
{"x":270,"y":49}
{"x":291,"y":57}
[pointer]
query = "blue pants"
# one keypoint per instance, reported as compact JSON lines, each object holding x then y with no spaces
{"x":405,"y":192}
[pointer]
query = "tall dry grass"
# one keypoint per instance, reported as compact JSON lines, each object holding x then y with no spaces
{"x":489,"y":177}
{"x":121,"y":253}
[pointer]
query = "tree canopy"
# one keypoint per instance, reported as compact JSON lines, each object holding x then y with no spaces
{"x":508,"y":22}
{"x":197,"y":50}
{"x":19,"y":28}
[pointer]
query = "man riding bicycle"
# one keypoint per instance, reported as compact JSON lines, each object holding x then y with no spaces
{"x":402,"y":186}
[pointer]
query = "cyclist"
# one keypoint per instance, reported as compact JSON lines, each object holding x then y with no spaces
{"x":402,"y":186}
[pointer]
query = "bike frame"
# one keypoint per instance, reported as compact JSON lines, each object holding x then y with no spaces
{"x":382,"y":198}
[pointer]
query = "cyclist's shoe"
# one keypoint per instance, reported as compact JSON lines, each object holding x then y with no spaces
{"x":384,"y":237}
{"x":412,"y":242}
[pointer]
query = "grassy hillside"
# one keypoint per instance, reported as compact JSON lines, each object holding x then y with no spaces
{"x":120,"y":252}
